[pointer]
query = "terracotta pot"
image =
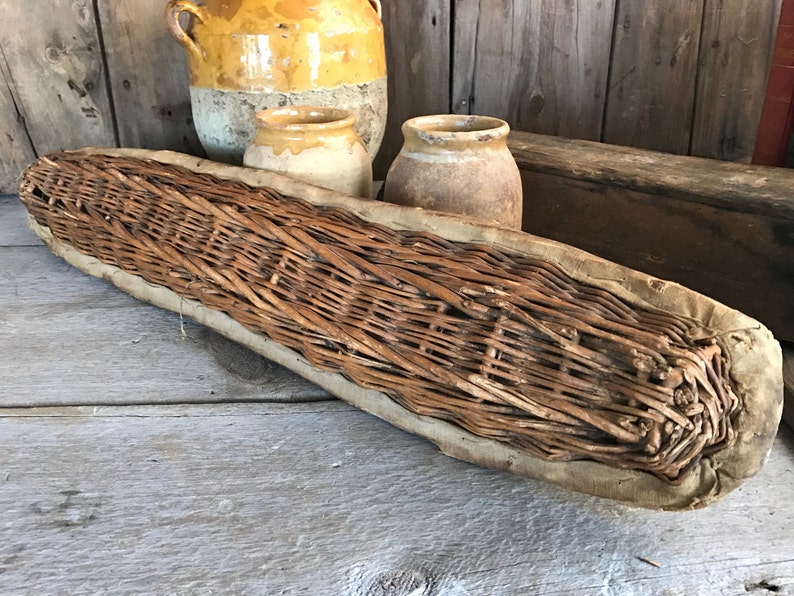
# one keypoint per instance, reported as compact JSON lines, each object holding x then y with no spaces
{"x":247,"y":55}
{"x":314,"y":144}
{"x":459,"y":164}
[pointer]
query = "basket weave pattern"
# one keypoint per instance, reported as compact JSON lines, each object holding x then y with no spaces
{"x":505,"y":346}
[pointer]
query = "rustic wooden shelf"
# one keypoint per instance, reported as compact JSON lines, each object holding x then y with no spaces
{"x":136,"y":457}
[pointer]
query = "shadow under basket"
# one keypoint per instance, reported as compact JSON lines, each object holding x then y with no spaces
{"x":504,"y":349}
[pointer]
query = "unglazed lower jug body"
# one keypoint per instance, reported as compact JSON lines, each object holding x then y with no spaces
{"x":458,"y":164}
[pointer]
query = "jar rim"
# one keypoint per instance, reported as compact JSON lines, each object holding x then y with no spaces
{"x":457,"y":127}
{"x":305,"y":118}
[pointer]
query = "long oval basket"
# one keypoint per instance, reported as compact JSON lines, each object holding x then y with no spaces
{"x":505,"y":349}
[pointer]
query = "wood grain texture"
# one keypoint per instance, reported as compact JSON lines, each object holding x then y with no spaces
{"x":418,"y":61}
{"x":55,"y":63}
{"x":16,"y":149}
{"x":14,"y":230}
{"x":736,"y":52}
{"x":126,"y":352}
{"x":149,"y":77}
{"x":723,"y":229}
{"x":653,"y":74}
{"x":788,"y":382}
{"x":323,"y":499}
{"x":738,"y":187}
{"x":540,"y":65}
{"x":736,"y":258}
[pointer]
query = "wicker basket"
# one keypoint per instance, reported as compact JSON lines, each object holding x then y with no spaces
{"x":505,"y":349}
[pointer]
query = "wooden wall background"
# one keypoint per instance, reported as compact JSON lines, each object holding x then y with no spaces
{"x":683,"y":76}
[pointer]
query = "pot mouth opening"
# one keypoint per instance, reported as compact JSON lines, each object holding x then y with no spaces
{"x":451,"y":127}
{"x":305,"y":118}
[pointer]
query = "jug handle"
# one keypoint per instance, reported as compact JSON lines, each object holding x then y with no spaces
{"x":376,"y":5}
{"x":172,"y":11}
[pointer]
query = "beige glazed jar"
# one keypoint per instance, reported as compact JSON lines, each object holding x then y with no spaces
{"x":458,"y":164}
{"x":314,"y":144}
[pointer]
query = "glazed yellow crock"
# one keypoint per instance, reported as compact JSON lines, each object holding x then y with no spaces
{"x":248,"y":55}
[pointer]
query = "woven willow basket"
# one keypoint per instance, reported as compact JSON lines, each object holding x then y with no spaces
{"x":504,"y":349}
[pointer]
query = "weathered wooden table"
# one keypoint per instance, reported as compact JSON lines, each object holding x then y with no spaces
{"x":141,"y":453}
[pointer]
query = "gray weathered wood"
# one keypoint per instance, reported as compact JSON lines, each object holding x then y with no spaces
{"x":148,"y":75}
{"x":298,"y":498}
{"x":55,"y":63}
{"x":653,"y":74}
{"x":736,"y":50}
{"x":541,"y":65}
{"x":14,"y":230}
{"x":723,"y":229}
{"x":125,"y":352}
{"x":417,"y":53}
{"x":744,"y":188}
{"x":16,"y":149}
{"x":323,"y":499}
{"x":788,"y":382}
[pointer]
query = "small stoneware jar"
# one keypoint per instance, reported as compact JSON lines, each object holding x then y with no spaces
{"x":458,"y":164}
{"x":314,"y":144}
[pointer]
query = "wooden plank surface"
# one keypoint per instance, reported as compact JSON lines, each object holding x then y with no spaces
{"x":540,"y":65}
{"x":723,"y":229}
{"x":55,"y":63}
{"x":736,"y":51}
{"x":788,"y":381}
{"x":129,"y":352}
{"x":653,"y":74}
{"x":738,"y":187}
{"x":307,"y":498}
{"x":16,"y":149}
{"x":14,"y":229}
{"x":418,"y":61}
{"x":323,"y":499}
{"x":148,"y":76}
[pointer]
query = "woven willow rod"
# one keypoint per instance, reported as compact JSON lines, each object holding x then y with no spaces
{"x":505,"y":346}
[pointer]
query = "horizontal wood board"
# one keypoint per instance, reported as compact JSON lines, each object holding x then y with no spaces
{"x":128,"y":352}
{"x":725,"y":230}
{"x":323,"y":499}
{"x":303,"y":498}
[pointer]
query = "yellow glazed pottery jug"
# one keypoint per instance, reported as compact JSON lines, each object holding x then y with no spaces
{"x":248,"y":55}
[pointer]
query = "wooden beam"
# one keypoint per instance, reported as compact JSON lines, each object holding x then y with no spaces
{"x":324,"y":499}
{"x":540,"y":65}
{"x":723,"y":229}
{"x":652,"y":79}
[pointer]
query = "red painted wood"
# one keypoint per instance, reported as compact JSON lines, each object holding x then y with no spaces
{"x":777,"y":116}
